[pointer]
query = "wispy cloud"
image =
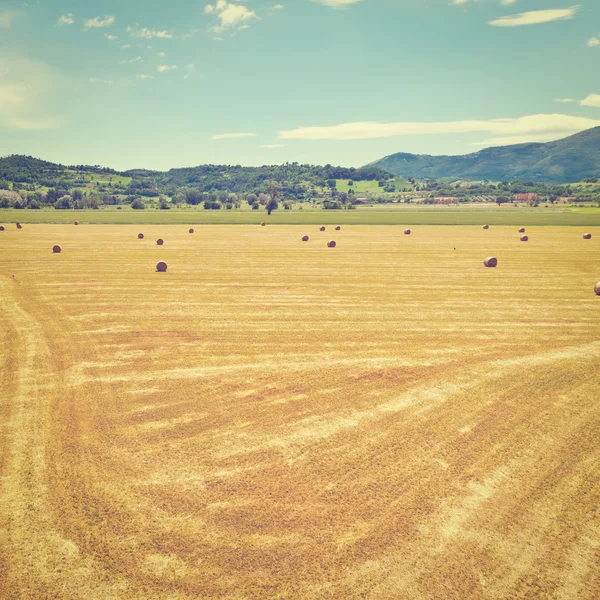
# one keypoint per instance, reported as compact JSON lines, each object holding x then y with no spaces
{"x":272,"y":146}
{"x":595,"y":41}
{"x":97,"y":22}
{"x":144,"y":76}
{"x":190,"y":69}
{"x":271,"y":10}
{"x":591,"y":100}
{"x":529,"y":128}
{"x":125,"y":46}
{"x":165,"y":68}
{"x":337,"y":3}
{"x":25,"y":89}
{"x":8,"y":17}
{"x":229,"y":136}
{"x":564,"y":100}
{"x":534,"y":17}
{"x":230,"y":15}
{"x":147,"y":34}
{"x":112,"y":38}
{"x":66,"y":19}
{"x":130,"y":61}
{"x":97,"y":80}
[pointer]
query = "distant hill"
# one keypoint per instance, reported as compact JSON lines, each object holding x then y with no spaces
{"x":571,"y":159}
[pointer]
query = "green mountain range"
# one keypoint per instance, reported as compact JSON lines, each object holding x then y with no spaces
{"x":571,"y":159}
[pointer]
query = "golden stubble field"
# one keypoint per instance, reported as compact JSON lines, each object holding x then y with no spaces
{"x":276,"y":419}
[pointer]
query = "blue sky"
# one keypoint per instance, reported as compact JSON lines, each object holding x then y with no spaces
{"x":155,"y":84}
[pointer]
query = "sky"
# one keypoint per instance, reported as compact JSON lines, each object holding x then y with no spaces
{"x":156,"y":84}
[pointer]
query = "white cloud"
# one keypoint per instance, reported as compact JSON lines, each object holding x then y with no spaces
{"x":534,"y":17}
{"x":7,"y":17}
{"x":591,"y":100}
{"x":337,"y":3}
{"x":26,"y":91}
{"x":530,"y":127}
{"x":271,"y":10}
{"x":130,"y":60}
{"x":165,"y":68}
{"x":230,"y":15}
{"x":66,"y":19}
{"x":271,"y":146}
{"x":595,"y":41}
{"x":97,"y":22}
{"x":564,"y":100}
{"x":161,"y":54}
{"x":125,"y":46}
{"x":104,"y":81}
{"x":112,"y":38}
{"x":147,"y":34}
{"x":229,"y":136}
{"x":520,"y":139}
{"x":189,"y":70}
{"x":143,"y":76}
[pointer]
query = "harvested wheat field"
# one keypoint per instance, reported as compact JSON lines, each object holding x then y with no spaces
{"x":272,"y":418}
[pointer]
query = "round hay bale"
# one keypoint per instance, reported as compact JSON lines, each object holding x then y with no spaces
{"x":522,"y":230}
{"x":486,"y":226}
{"x":587,"y":236}
{"x":140,"y":236}
{"x":407,"y":232}
{"x":1,"y":227}
{"x":191,"y":231}
{"x":160,"y":242}
{"x":76,"y":223}
{"x":331,"y":244}
{"x":597,"y":289}
{"x":263,"y":224}
{"x":161,"y":266}
{"x":322,"y":228}
{"x":305,"y":238}
{"x":490,"y":261}
{"x":56,"y":249}
{"x":524,"y":238}
{"x":19,"y":226}
{"x":338,"y":228}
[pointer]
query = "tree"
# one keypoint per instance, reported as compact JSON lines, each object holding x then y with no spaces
{"x":272,"y":205}
{"x":275,"y":190}
{"x":163,"y":204}
{"x":137,"y":205}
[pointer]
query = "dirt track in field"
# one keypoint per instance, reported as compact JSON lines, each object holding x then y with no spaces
{"x":275,"y":419}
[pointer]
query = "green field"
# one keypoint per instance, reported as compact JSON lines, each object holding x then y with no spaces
{"x":377,"y":215}
{"x":372,"y":187}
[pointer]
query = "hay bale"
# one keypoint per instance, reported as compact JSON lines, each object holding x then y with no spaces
{"x":56,"y":249}
{"x":322,"y":228}
{"x":140,"y":236}
{"x":407,"y":232}
{"x":160,"y":242}
{"x":486,"y":226}
{"x":76,"y":223}
{"x":19,"y":226}
{"x":524,"y":238}
{"x":597,"y":289}
{"x":1,"y":227}
{"x":587,"y":236}
{"x":191,"y":231}
{"x":522,"y":230}
{"x":263,"y":224}
{"x":305,"y":238}
{"x":161,"y":266}
{"x":331,"y":244}
{"x":338,"y":228}
{"x":490,"y":261}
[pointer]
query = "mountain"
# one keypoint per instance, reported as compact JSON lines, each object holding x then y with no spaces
{"x":571,"y":159}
